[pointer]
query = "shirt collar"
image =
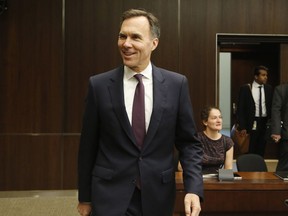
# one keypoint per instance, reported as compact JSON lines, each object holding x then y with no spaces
{"x":147,"y":72}
{"x":256,"y":85}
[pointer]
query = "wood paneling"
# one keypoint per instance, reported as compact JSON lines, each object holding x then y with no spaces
{"x":91,"y":31}
{"x":284,"y":63}
{"x":69,"y":160}
{"x":30,"y":162}
{"x":49,"y":49}
{"x":31,"y":64}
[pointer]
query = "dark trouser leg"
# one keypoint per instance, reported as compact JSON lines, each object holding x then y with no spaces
{"x":135,"y":206}
{"x":257,"y":138}
{"x":283,"y":156}
{"x":252,"y":142}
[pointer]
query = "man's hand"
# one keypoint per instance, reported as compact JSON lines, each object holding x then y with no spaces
{"x":192,"y":204}
{"x":276,"y":137}
{"x":243,"y":133}
{"x":84,"y":209}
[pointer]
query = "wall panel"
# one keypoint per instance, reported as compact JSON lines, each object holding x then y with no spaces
{"x":69,"y":160}
{"x":30,"y":162}
{"x":31,"y":61}
{"x":284,"y":62}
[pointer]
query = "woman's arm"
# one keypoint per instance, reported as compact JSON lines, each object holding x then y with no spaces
{"x":228,"y":164}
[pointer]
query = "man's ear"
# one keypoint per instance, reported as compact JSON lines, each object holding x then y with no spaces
{"x":155,"y":43}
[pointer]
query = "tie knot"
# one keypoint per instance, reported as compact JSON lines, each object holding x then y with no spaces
{"x":260,"y":86}
{"x":138,"y":77}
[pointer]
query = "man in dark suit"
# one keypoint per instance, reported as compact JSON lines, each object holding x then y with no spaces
{"x":254,"y":109}
{"x":279,"y":124}
{"x":121,"y":171}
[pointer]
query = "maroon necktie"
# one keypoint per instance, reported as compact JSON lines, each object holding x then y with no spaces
{"x":138,"y":112}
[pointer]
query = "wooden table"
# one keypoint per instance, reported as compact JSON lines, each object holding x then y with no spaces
{"x":258,"y":193}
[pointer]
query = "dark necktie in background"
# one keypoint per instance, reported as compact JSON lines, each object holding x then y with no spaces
{"x":260,"y":101}
{"x":138,"y":112}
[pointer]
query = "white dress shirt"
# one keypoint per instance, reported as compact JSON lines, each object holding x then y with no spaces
{"x":130,"y":83}
{"x":256,"y":97}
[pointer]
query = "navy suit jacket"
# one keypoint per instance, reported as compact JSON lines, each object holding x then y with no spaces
{"x":109,"y":160}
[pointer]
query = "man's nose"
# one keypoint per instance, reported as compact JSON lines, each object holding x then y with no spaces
{"x":127,"y":42}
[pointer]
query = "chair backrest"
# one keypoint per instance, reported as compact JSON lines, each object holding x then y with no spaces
{"x":251,"y":163}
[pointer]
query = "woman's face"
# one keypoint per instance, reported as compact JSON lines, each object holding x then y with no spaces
{"x":214,"y":121}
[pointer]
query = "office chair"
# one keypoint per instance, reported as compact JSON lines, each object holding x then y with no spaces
{"x":251,"y":163}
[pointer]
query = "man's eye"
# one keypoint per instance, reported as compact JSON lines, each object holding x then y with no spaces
{"x":136,"y":37}
{"x":122,"y":36}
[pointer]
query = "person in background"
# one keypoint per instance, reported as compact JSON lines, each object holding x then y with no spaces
{"x":127,"y":168}
{"x":254,"y":109}
{"x":217,"y":148}
{"x":279,"y":124}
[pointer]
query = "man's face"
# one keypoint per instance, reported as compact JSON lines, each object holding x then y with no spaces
{"x":135,"y":43}
{"x":262,"y":77}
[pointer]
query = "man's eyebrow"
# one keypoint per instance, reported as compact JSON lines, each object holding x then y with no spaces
{"x":131,"y":34}
{"x":136,"y":35}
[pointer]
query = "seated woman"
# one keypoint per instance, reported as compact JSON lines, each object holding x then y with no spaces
{"x":217,"y":148}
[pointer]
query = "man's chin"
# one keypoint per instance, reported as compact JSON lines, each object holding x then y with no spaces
{"x":129,"y":65}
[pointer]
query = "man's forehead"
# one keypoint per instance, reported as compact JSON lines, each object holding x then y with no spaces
{"x":263,"y":71}
{"x":135,"y":22}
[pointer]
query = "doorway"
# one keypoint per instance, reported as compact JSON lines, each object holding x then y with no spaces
{"x":237,"y":55}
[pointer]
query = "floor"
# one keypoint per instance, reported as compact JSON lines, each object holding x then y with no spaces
{"x":38,"y":203}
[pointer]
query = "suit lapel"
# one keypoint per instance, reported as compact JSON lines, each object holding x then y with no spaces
{"x":117,"y":98}
{"x":249,"y":90}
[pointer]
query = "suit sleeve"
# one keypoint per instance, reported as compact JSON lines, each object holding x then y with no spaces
{"x":190,"y":148}
{"x":268,"y":99}
{"x":88,"y":146}
{"x":276,"y":111}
